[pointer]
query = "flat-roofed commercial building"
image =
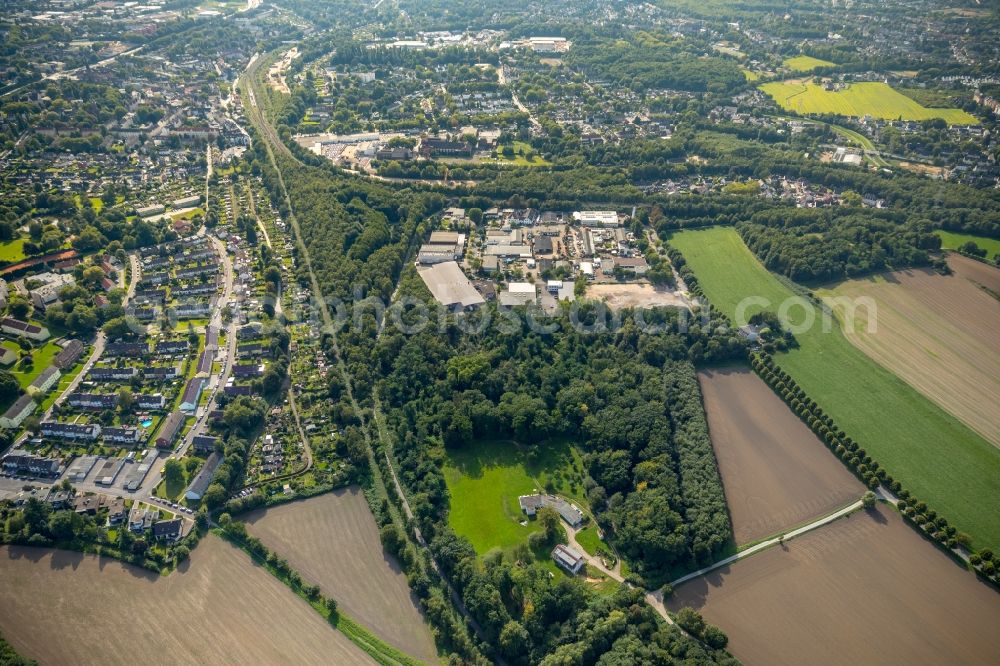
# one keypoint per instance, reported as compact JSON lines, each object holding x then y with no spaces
{"x":450,"y":287}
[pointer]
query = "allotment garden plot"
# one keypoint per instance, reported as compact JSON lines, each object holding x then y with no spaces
{"x":775,"y":471}
{"x":65,"y":608}
{"x":863,"y":590}
{"x":333,"y":541}
{"x":937,"y":332}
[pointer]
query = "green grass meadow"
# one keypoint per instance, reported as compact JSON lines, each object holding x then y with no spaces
{"x":951,"y":241}
{"x":858,"y":99}
{"x":804,"y":63}
{"x":12,"y":251}
{"x":936,"y":457}
{"x":588,"y":539}
{"x":485,"y":480}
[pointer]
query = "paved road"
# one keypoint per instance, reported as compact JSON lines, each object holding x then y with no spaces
{"x":100,"y":340}
{"x":502,"y":80}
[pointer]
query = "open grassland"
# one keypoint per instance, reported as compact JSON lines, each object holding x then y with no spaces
{"x":12,"y":251}
{"x":66,"y":608}
{"x":858,"y":99}
{"x":937,"y":332}
{"x":485,"y":480}
{"x":951,"y":240}
{"x":333,"y":541}
{"x":41,"y":357}
{"x":933,"y":454}
{"x":520,"y":158}
{"x":590,"y":540}
{"x":750,"y":75}
{"x":775,"y":471}
{"x":865,"y":589}
{"x":804,"y":63}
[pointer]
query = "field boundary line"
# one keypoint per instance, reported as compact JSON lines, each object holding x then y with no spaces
{"x":356,"y":632}
{"x":762,"y":545}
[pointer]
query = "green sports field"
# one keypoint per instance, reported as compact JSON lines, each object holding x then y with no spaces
{"x":858,"y":99}
{"x":804,"y":63}
{"x":951,"y":241}
{"x":485,"y":479}
{"x":939,"y":459}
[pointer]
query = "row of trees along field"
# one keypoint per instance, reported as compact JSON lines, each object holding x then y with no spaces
{"x":861,"y":463}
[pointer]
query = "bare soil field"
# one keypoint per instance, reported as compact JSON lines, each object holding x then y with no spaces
{"x":333,"y":541}
{"x":865,"y":589}
{"x":975,"y":271}
{"x":775,"y":472}
{"x":938,"y":333}
{"x":60,"y":607}
{"x":619,"y":296}
{"x":926,"y":169}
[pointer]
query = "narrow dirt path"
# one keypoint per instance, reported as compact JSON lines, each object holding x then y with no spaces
{"x":781,"y":538}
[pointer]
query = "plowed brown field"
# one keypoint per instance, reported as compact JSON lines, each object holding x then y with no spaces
{"x":333,"y":541}
{"x":60,"y":607}
{"x":866,"y":589}
{"x":940,"y":334}
{"x":775,"y":472}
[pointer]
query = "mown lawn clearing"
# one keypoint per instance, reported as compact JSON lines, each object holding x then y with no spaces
{"x":951,"y":240}
{"x":485,"y":480}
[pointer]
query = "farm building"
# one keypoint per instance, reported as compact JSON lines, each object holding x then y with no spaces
{"x":568,"y":558}
{"x":530,"y":504}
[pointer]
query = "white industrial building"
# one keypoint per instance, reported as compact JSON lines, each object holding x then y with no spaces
{"x":596,"y":218}
{"x":449,"y":285}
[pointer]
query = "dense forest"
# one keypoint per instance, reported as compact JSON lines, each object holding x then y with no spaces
{"x":627,"y":397}
{"x":811,"y":245}
{"x":645,"y":61}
